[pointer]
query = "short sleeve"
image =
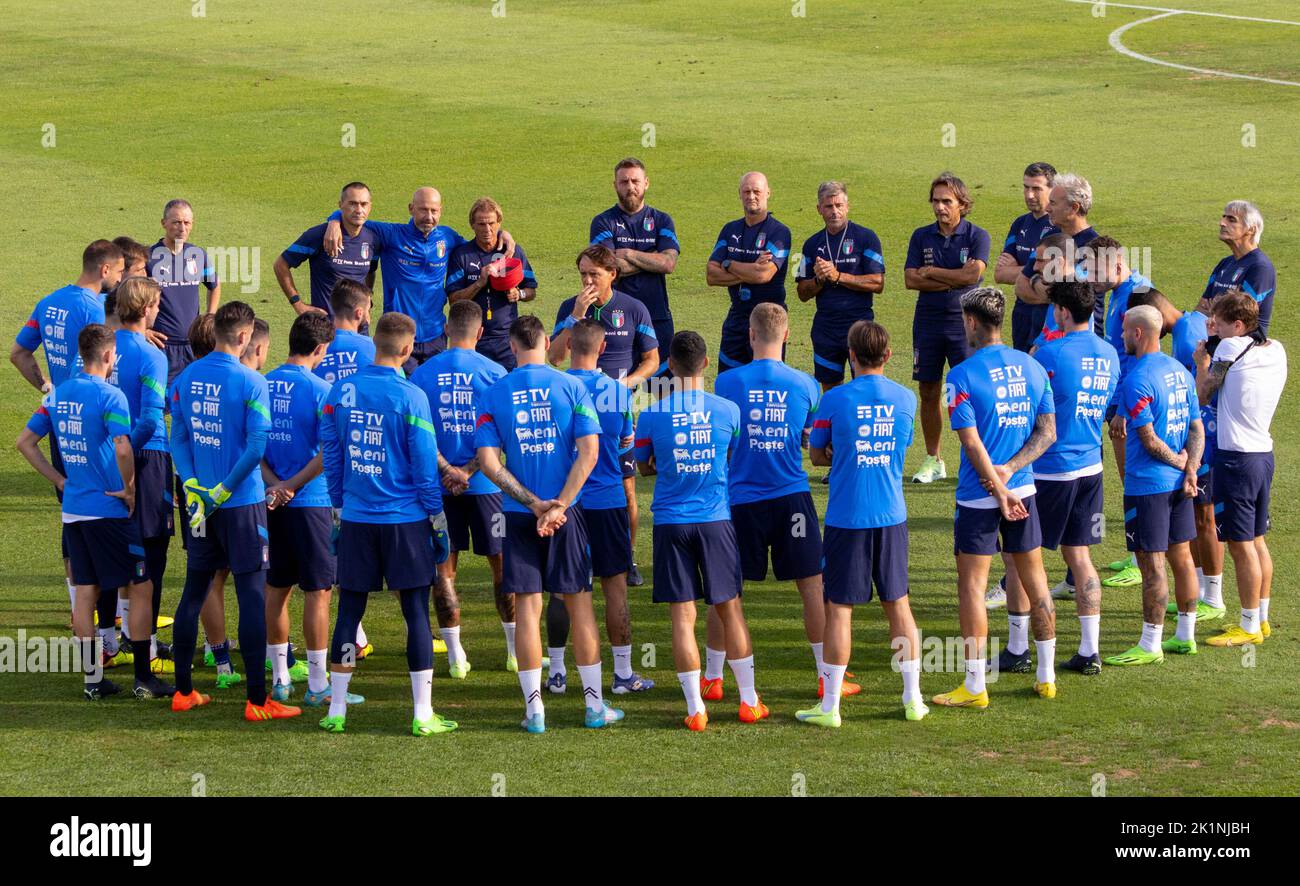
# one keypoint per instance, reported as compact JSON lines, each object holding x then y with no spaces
{"x":980,"y":245}
{"x":644,"y":442}
{"x":667,"y":238}
{"x":720,"y":248}
{"x":486,"y":432}
{"x":914,"y":251}
{"x":820,"y":436}
{"x":807,"y":259}
{"x":209,"y":272}
{"x":873,"y":255}
{"x":1009,"y":244}
{"x":564,"y":317}
{"x":646,"y":340}
{"x":1136,"y":400}
{"x":309,"y":242}
{"x":153,"y":379}
{"x":40,"y":424}
{"x":1046,"y":400}
{"x":585,"y":420}
{"x":780,"y":251}
{"x":599,"y":231}
{"x":29,"y":337}
{"x":961,"y":412}
{"x":258,"y":404}
{"x":1230,"y":349}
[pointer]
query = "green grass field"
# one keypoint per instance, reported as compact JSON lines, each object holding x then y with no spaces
{"x":243,"y":112}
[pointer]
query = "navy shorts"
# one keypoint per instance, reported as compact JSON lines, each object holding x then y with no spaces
{"x":1069,"y":511}
{"x":664,"y":331}
{"x":1205,"y":486}
{"x":497,"y":349}
{"x":1110,"y":412}
{"x":1026,"y":323}
{"x":609,"y":537}
{"x":788,"y":526}
{"x":627,"y":463}
{"x":179,"y":354}
{"x":301,"y":553}
{"x":107,"y":552}
{"x":858,"y":559}
{"x":558,"y":564}
{"x":155,"y":507}
{"x":935,"y":340}
{"x":232,"y":538}
{"x":1158,"y":522}
{"x":830,"y":342}
{"x":696,"y":561}
{"x":422,"y":351}
{"x":1241,"y":494}
{"x":474,"y":516}
{"x":976,"y":530}
{"x":371,"y":554}
{"x":733,"y":348}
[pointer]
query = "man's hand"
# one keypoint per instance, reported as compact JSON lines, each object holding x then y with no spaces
{"x":155,"y":338}
{"x":126,"y":495}
{"x":332,"y":242}
{"x":1201,"y":356}
{"x":625,"y":443}
{"x":455,"y":479}
{"x":200,"y":501}
{"x":1012,"y":508}
{"x":1190,"y":486}
{"x":1006,"y":260}
{"x":280,"y":495}
{"x":1180,"y":462}
{"x":585,"y":299}
{"x":551,"y":514}
{"x":764,"y":258}
{"x":822,"y":270}
{"x":441,"y":541}
{"x":1118,"y":427}
{"x":301,"y":307}
{"x":513,"y":295}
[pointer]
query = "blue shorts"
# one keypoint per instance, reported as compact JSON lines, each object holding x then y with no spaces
{"x":1026,"y":323}
{"x":557,"y":564}
{"x":476,"y":516}
{"x":107,"y":552}
{"x":788,"y":526}
{"x":936,"y":339}
{"x":694,"y":561}
{"x":155,"y":507}
{"x":179,"y":355}
{"x":1205,"y":486}
{"x":1155,"y":523}
{"x":609,"y":537}
{"x":301,"y":553}
{"x":857,"y":559}
{"x":1069,"y":511}
{"x":976,"y":530}
{"x":830,"y":342}
{"x":231,"y":538}
{"x":371,"y":554}
{"x":1241,"y":494}
{"x":422,"y":351}
{"x":497,"y":349}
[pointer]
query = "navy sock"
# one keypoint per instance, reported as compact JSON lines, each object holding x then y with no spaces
{"x":185,"y":633}
{"x":250,"y":590}
{"x":419,"y":637}
{"x":140,"y":648}
{"x":352,"y":606}
{"x":221,"y":652}
{"x":557,"y":622}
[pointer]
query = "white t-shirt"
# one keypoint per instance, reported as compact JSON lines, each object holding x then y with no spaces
{"x":1250,"y":393}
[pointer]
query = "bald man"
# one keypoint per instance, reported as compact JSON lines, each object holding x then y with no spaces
{"x":750,"y":260}
{"x":413,"y":260}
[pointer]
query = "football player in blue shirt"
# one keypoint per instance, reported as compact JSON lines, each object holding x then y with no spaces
{"x":90,"y":422}
{"x":686,"y":439}
{"x":1248,"y":269}
{"x":945,"y":260}
{"x":750,"y":259}
{"x":862,"y":432}
{"x":1018,"y":251}
{"x":1165,"y":440}
{"x":477,"y":270}
{"x":413,"y":257}
{"x":841,"y":266}
{"x":221,"y":416}
{"x":380,"y":457}
{"x":456,"y":381}
{"x":1001,"y":406}
{"x":351,"y":349}
{"x":180,"y":268}
{"x":141,"y":372}
{"x":645,"y":246}
{"x":356,"y":260}
{"x":771,"y":507}
{"x":1083,"y":371}
{"x":545,"y":425}
{"x":604,"y":500}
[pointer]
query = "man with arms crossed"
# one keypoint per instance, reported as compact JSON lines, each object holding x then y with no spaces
{"x":1247,"y":269}
{"x":179,"y":267}
{"x":1018,"y":252}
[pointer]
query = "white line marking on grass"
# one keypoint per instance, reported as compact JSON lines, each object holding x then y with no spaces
{"x":1165,"y":12}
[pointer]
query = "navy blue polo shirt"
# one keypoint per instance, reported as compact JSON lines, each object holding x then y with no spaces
{"x":179,"y":276}
{"x":738,"y":241}
{"x":465,"y":267}
{"x":355,"y":262}
{"x":629,"y":332}
{"x":1024,"y":235}
{"x":857,"y":251}
{"x":646,"y":231}
{"x":928,"y":247}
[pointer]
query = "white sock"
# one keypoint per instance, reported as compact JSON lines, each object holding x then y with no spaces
{"x":422,"y":693}
{"x":1250,"y":620}
{"x":690,"y":681}
{"x":975,"y":668}
{"x":72,"y":594}
{"x":1151,"y":635}
{"x":1017,"y":633}
{"x":817,"y":657}
{"x":509,"y":628}
{"x":1213,"y":595}
{"x":316,"y":678}
{"x":743,"y":668}
{"x":530,"y":682}
{"x":362,"y":640}
{"x":1046,"y":660}
{"x":339,"y":693}
{"x":207,"y":648}
{"x":1263,"y":608}
{"x":911,"y":671}
{"x":557,"y":660}
{"x":1089,"y":631}
{"x":153,"y":646}
{"x":1186,"y":629}
{"x":1200,"y":583}
{"x":279,"y":653}
{"x":455,"y":652}
{"x":832,"y":680}
{"x":109,"y":636}
{"x":713,"y":661}
{"x":590,"y":675}
{"x":622,"y":661}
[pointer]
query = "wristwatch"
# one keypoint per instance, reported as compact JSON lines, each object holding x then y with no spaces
{"x":726,"y":264}
{"x":295,"y":298}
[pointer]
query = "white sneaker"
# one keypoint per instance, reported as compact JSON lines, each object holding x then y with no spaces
{"x":996,"y":597}
{"x":1063,"y":591}
{"x":931,"y":469}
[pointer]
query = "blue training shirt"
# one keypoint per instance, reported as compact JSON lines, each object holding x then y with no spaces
{"x":1157,"y":391}
{"x":348,"y":352}
{"x":869,"y":424}
{"x":55,"y":323}
{"x":456,"y":383}
{"x":1084,"y":372}
{"x":355,"y":261}
{"x":776,"y":406}
{"x":613,"y":402}
{"x":740,"y":242}
{"x":1188,"y":332}
{"x":646,"y":231}
{"x":140,"y":370}
{"x":690,"y":434}
{"x":85,"y":413}
{"x":179,"y":275}
{"x":297,"y":404}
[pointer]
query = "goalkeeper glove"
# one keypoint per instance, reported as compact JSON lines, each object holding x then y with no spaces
{"x":441,"y":541}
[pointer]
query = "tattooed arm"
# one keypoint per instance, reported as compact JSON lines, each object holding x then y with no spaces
{"x":1043,"y":436}
{"x":1157,"y":449}
{"x":1194,"y":449}
{"x":489,"y":458}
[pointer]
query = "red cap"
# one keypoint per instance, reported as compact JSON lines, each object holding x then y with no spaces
{"x":512,"y":276}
